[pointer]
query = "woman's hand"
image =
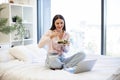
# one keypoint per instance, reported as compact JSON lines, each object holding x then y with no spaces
{"x":65,"y":47}
{"x":56,"y":34}
{"x":53,"y":34}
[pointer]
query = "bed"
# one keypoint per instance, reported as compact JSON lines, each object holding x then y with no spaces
{"x":27,"y":63}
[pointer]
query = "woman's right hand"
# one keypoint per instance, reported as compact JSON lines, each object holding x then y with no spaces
{"x":53,"y":34}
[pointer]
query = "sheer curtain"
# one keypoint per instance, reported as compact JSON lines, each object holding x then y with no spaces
{"x":113,"y":28}
{"x":4,"y":1}
{"x":83,"y":22}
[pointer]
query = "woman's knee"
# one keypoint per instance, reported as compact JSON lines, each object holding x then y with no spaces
{"x":54,"y":62}
{"x":81,"y":55}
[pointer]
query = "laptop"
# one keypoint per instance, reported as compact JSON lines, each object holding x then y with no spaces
{"x":85,"y":66}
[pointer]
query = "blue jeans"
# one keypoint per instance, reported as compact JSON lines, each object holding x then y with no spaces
{"x":58,"y":61}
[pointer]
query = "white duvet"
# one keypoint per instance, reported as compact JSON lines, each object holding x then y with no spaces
{"x":27,"y":71}
{"x":30,"y":66}
{"x":19,"y":70}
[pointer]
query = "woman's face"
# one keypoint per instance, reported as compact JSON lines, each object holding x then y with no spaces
{"x":59,"y":24}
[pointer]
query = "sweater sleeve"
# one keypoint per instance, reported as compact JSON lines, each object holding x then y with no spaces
{"x":44,"y":40}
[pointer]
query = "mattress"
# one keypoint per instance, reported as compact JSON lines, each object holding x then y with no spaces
{"x":28,"y":63}
{"x":19,"y":70}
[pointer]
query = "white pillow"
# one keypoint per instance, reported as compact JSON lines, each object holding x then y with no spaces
{"x":26,"y":54}
{"x":41,"y":52}
{"x":5,"y":56}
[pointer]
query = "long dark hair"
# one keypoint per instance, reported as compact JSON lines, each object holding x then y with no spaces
{"x":58,"y":16}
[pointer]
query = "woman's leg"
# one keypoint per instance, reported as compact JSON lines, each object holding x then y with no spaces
{"x":73,"y":60}
{"x":53,"y":62}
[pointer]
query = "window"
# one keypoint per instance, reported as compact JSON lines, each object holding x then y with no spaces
{"x":113,"y":28}
{"x":83,"y":21}
{"x":3,"y":1}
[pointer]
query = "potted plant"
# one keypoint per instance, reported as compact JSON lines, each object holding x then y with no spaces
{"x":5,"y":28}
{"x":14,"y":18}
{"x":19,"y":28}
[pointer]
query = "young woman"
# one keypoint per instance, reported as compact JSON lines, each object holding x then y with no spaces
{"x":57,"y":40}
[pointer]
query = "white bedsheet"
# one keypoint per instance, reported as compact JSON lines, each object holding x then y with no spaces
{"x":28,"y":71}
{"x":104,"y":68}
{"x":18,"y":70}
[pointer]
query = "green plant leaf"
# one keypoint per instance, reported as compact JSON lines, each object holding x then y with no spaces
{"x":3,"y":22}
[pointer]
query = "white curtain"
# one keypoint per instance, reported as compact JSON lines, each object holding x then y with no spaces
{"x":4,"y":1}
{"x":83,"y":21}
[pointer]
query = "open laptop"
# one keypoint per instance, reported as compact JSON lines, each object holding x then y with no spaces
{"x":85,"y":65}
